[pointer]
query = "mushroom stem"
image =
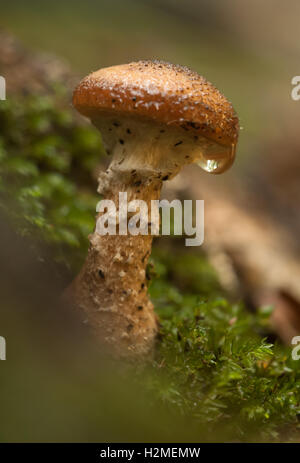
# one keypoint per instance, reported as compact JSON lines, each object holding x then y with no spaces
{"x":111,"y":288}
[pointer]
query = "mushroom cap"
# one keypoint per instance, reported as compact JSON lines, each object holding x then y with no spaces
{"x":166,"y":93}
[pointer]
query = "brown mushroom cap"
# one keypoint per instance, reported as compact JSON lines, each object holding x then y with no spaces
{"x":162,"y":92}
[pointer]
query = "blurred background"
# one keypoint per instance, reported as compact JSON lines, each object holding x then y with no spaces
{"x":250,"y":51}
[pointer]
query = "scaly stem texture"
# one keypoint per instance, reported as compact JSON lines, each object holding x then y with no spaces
{"x":111,"y":288}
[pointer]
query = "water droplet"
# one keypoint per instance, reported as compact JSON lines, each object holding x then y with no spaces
{"x":216,"y":159}
{"x":211,"y":165}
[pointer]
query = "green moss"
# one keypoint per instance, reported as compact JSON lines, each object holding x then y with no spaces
{"x":217,"y":366}
{"x":46,"y":160}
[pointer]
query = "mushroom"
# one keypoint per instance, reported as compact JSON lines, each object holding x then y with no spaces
{"x":154,"y":117}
